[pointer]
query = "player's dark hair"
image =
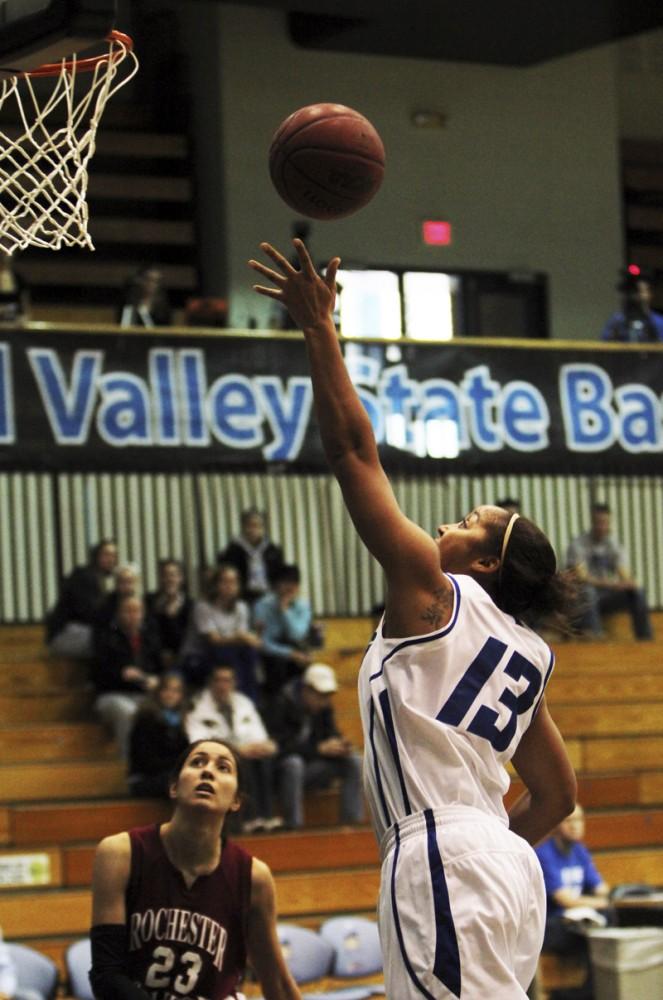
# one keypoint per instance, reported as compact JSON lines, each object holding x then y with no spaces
{"x":600,"y":507}
{"x":508,"y":502}
{"x":528,"y":585}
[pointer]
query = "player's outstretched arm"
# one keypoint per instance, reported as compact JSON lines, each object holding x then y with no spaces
{"x":264,"y":950}
{"x":345,"y":429}
{"x":542,"y":762}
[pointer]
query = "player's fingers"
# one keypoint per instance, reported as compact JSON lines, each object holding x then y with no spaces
{"x":278,"y":258}
{"x":272,"y":293}
{"x":304,"y":258}
{"x":268,"y":272}
{"x":330,"y":274}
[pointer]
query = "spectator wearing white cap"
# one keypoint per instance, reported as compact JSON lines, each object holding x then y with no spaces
{"x":312,"y":751}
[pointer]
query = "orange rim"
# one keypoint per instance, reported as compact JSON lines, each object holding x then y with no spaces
{"x":124,"y":42}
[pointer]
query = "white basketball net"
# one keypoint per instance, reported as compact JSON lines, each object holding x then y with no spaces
{"x":43,"y":169}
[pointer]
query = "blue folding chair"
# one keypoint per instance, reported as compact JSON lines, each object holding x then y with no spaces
{"x":34,"y":971}
{"x":307,"y":955}
{"x":77,"y":960}
{"x":356,"y":945}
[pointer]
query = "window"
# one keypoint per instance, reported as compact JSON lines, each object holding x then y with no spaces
{"x":389,"y":304}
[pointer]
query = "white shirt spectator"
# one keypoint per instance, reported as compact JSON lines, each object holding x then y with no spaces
{"x":241,"y":724}
{"x":208,"y":617}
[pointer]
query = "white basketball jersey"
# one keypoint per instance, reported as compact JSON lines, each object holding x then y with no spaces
{"x":444,"y":712}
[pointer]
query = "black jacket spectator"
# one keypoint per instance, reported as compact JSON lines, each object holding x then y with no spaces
{"x":81,"y":600}
{"x":237,"y":556}
{"x":254,"y":555}
{"x":83,"y":593}
{"x":171,"y":628}
{"x":113,"y":651}
{"x":296,"y":730}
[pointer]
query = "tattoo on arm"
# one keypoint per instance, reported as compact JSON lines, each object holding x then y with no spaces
{"x":437,"y":612}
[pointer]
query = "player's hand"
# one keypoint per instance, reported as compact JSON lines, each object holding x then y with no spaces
{"x":308,"y":296}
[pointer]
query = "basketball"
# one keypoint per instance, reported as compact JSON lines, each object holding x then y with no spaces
{"x":326,"y":161}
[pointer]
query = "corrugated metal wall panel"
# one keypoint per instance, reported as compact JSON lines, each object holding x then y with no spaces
{"x":49,"y":522}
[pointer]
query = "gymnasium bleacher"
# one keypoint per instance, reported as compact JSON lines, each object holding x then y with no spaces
{"x":62,"y":787}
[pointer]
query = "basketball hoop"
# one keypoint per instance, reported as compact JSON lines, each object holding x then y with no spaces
{"x":43,"y":170}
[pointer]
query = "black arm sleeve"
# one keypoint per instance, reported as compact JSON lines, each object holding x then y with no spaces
{"x":108,"y":978}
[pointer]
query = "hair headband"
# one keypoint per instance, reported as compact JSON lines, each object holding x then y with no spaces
{"x":505,"y":542}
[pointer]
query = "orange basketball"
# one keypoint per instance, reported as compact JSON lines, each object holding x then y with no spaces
{"x":326,"y":161}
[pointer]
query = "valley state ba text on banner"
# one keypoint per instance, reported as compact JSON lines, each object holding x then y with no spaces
{"x":165,"y":402}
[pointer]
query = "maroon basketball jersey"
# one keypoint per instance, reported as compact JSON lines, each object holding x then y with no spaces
{"x":186,"y":942}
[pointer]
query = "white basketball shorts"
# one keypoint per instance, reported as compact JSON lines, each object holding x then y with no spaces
{"x":462,"y":908}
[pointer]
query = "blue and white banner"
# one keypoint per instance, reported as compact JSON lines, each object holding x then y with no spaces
{"x":158,"y":401}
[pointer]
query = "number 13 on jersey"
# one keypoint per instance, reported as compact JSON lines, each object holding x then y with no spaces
{"x":471,"y":685}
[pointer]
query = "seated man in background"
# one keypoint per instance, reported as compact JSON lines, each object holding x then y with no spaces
{"x":600,"y":565}
{"x":312,"y":751}
{"x":127,"y":666}
{"x":221,"y":712}
{"x":80,"y":606}
{"x":284,"y":621}
{"x":572,"y":884}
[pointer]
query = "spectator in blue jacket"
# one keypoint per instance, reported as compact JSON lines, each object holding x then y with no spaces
{"x":284,"y":621}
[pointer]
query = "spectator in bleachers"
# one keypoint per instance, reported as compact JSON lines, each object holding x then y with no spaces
{"x":312,"y":751}
{"x":254,"y":555}
{"x":70,"y":624}
{"x":170,"y":608}
{"x":158,"y":736}
{"x":219,"y":632}
{"x":127,"y":584}
{"x":599,"y":562}
{"x":573,"y":885}
{"x":284,"y":621}
{"x":636,"y":321}
{"x":145,"y":300}
{"x":223,"y":713}
{"x":127,"y":664}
